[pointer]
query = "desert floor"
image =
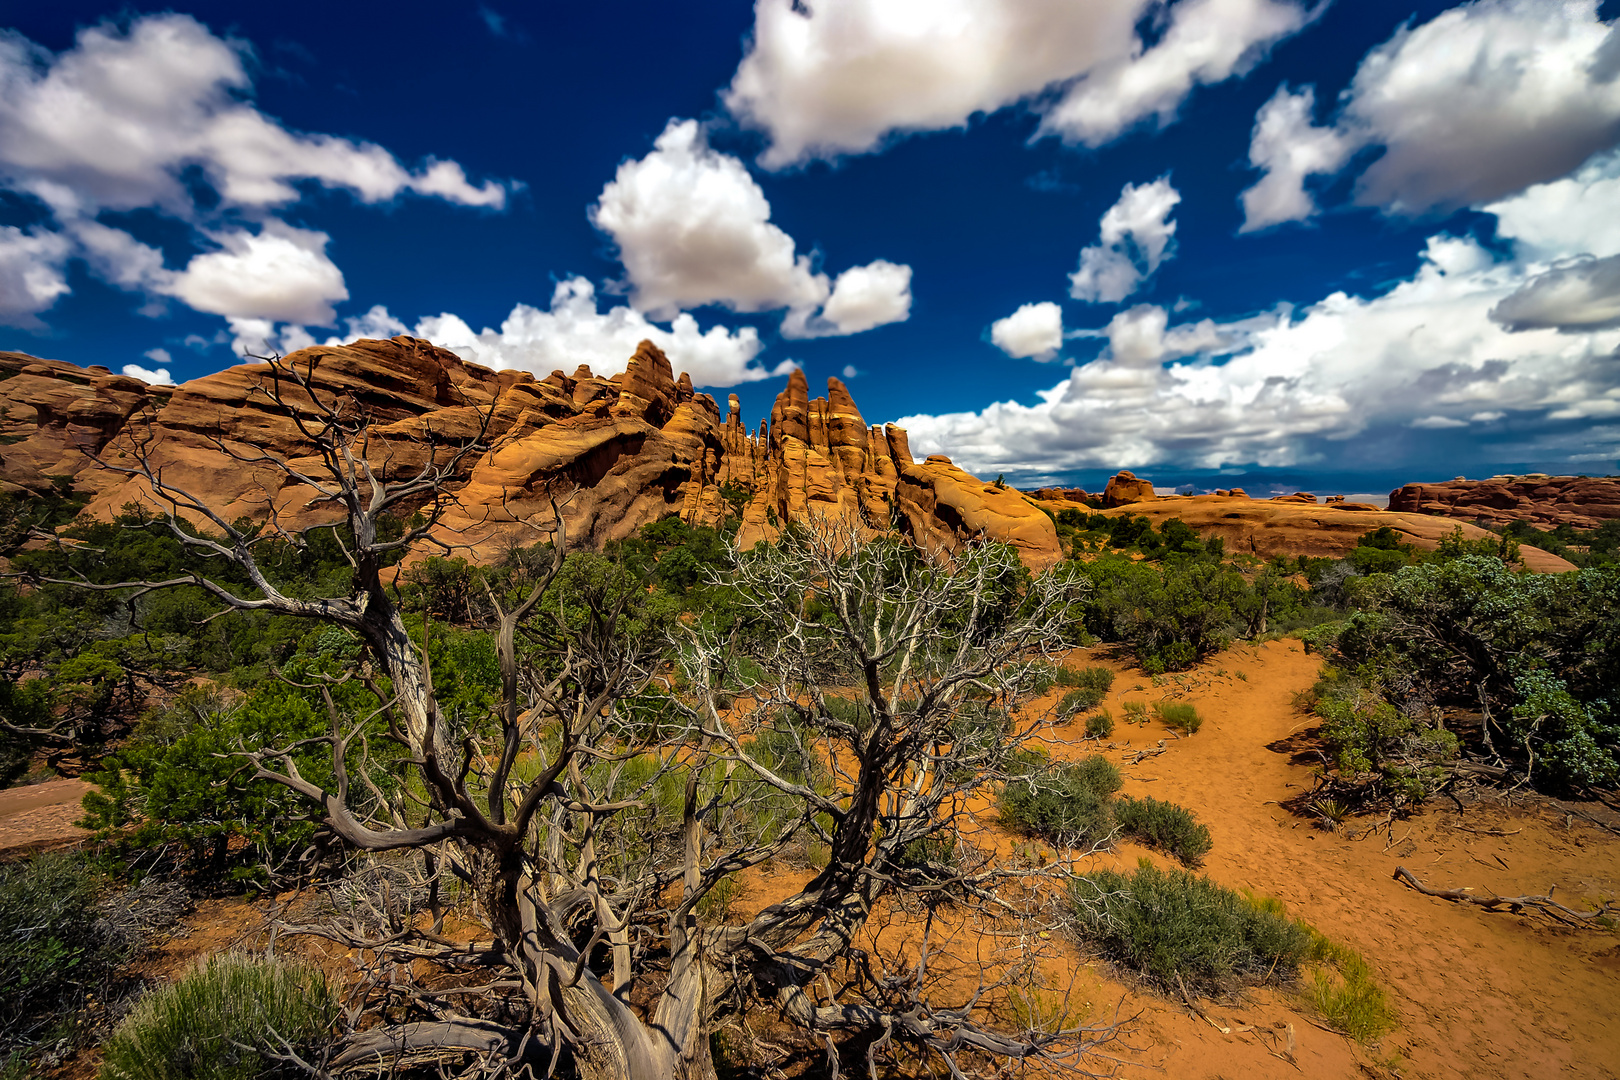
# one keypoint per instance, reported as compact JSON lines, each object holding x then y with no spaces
{"x":1478,"y":993}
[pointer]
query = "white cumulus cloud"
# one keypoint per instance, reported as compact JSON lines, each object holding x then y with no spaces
{"x":32,"y":274}
{"x":572,"y":331}
{"x":1583,"y":294}
{"x":1034,"y":331}
{"x":1136,"y":237}
{"x":837,"y":77}
{"x":1288,"y":147}
{"x":157,"y":376}
{"x":1476,"y":104}
{"x":1207,"y":41}
{"x":1292,"y":387}
{"x":116,"y":121}
{"x":280,"y":273}
{"x":112,"y":122}
{"x":694,"y":228}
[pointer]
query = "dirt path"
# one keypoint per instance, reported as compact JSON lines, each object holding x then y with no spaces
{"x":1478,"y":993}
{"x":39,"y":815}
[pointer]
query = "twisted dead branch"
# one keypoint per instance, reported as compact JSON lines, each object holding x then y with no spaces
{"x":1515,"y":904}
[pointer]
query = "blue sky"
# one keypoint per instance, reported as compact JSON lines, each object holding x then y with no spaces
{"x":1260,"y":242}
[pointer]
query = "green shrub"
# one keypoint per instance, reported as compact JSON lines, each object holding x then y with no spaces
{"x":1178,"y":715}
{"x":1100,"y":724}
{"x":1164,"y":826}
{"x":1136,"y":712}
{"x":1079,"y":700}
{"x":208,"y":1025}
{"x":51,"y":948}
{"x":1067,"y":804}
{"x":1170,"y":924}
{"x":1092,"y":678}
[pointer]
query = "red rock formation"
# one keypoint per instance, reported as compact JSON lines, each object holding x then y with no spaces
{"x":1267,"y":527}
{"x":1057,"y":494}
{"x":1544,"y":501}
{"x":616,"y":453}
{"x":1125,"y":489}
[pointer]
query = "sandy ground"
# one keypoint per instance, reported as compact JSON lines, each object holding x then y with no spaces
{"x":41,"y":815}
{"x":1478,"y":994}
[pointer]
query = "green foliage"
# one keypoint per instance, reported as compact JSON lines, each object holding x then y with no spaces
{"x":1583,"y":547}
{"x":1538,"y":655}
{"x":1339,"y":983}
{"x":1067,"y":803}
{"x":1171,"y":924}
{"x":1079,"y":700}
{"x":51,"y":948}
{"x":1100,"y":724}
{"x":1178,"y":715}
{"x":1344,"y":990}
{"x":179,"y":782}
{"x":1164,"y":826}
{"x":1169,"y":615}
{"x":1091,"y":678}
{"x":1373,"y":738}
{"x":213,"y":1023}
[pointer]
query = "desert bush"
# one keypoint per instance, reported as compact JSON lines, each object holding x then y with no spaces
{"x":1168,"y":615}
{"x":1173,"y":925}
{"x":1345,"y":992}
{"x":1376,"y":741}
{"x":1037,"y":678}
{"x":213,"y":1022}
{"x":1100,"y":724}
{"x":1078,"y":701}
{"x":51,"y":948}
{"x":1091,"y":678}
{"x":1136,"y":712}
{"x":1164,"y":826}
{"x":1536,"y":655}
{"x":1067,"y":804}
{"x":1178,"y":715}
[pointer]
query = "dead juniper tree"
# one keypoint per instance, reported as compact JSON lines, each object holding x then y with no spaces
{"x":844,"y":729}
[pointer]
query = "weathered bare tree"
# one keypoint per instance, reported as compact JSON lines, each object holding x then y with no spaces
{"x":852,"y":716}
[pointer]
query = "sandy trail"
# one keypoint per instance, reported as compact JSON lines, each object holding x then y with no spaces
{"x":1478,"y":993}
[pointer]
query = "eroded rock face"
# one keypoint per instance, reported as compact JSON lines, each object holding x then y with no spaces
{"x":1125,"y":489}
{"x":1544,"y":501}
{"x":612,"y":454}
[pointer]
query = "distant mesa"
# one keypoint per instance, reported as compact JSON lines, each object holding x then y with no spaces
{"x":1544,"y":501}
{"x":617,"y":453}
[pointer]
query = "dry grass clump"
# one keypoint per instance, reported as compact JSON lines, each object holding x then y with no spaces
{"x":1178,"y":715}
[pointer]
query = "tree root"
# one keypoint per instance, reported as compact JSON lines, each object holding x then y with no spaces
{"x":1546,"y":905}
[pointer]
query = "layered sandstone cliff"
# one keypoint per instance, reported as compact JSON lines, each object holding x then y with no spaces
{"x":1544,"y":501}
{"x":614,"y":453}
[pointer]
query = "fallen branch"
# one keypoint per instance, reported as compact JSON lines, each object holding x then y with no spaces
{"x":1152,"y":751}
{"x":1516,"y":904}
{"x":1200,"y":1013}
